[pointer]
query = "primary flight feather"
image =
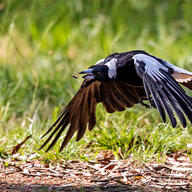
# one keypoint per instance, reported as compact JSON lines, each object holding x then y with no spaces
{"x":122,"y":80}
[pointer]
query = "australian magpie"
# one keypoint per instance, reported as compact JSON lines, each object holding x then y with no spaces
{"x":122,"y":80}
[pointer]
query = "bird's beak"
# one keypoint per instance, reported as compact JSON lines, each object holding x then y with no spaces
{"x":89,"y":74}
{"x":88,"y":71}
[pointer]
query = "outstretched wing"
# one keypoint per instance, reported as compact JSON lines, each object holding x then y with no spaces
{"x":166,"y":92}
{"x":180,"y":75}
{"x":80,"y":112}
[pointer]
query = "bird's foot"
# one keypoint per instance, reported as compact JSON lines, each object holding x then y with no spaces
{"x":144,"y":104}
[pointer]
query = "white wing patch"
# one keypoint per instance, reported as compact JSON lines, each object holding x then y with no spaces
{"x":112,"y":65}
{"x":148,"y":60}
{"x":177,"y":69}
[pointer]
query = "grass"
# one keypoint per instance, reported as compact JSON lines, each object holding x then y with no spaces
{"x":43,"y":43}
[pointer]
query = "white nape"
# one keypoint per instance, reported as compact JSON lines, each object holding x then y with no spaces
{"x":100,"y":61}
{"x":112,"y":65}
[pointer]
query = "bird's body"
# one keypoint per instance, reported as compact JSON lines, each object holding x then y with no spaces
{"x":120,"y":81}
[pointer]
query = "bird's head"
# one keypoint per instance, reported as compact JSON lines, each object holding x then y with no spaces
{"x":97,"y":72}
{"x":103,"y":70}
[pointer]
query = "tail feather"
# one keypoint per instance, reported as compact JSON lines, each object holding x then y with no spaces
{"x":188,"y":85}
{"x":184,"y":79}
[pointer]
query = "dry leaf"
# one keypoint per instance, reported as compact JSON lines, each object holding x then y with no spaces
{"x":18,"y":146}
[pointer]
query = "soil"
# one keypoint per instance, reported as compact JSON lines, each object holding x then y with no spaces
{"x":104,"y":174}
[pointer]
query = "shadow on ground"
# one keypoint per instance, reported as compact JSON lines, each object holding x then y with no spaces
{"x":41,"y":188}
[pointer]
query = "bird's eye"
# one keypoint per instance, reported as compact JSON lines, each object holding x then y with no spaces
{"x":96,"y":72}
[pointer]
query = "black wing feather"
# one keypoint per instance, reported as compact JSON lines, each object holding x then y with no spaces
{"x":165,"y":90}
{"x":167,"y":94}
{"x":151,"y":88}
{"x":80,"y":112}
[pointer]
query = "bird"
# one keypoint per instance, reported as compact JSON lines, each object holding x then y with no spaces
{"x":120,"y":81}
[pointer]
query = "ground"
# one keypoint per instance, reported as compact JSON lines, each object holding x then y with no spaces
{"x":42,"y":45}
{"x":104,"y":174}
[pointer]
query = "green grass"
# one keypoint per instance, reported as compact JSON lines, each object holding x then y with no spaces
{"x":43,"y":43}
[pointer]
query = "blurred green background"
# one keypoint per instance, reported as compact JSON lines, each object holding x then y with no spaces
{"x":44,"y":42}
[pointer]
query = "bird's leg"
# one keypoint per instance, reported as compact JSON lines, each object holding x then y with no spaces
{"x":153,"y":104}
{"x":142,"y":103}
{"x":141,"y":99}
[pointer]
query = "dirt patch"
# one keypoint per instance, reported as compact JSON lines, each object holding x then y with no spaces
{"x":105,"y":174}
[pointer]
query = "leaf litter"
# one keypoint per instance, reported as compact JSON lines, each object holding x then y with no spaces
{"x":105,"y":173}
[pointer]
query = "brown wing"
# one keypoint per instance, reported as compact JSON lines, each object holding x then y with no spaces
{"x":184,"y":79}
{"x":80,"y":112}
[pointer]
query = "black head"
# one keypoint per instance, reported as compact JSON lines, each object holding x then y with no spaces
{"x":98,"y":72}
{"x":103,"y":70}
{"x":115,"y":66}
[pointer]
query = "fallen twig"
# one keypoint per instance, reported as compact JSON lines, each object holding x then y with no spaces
{"x":108,"y":179}
{"x":18,"y":146}
{"x":171,"y":177}
{"x":42,"y":174}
